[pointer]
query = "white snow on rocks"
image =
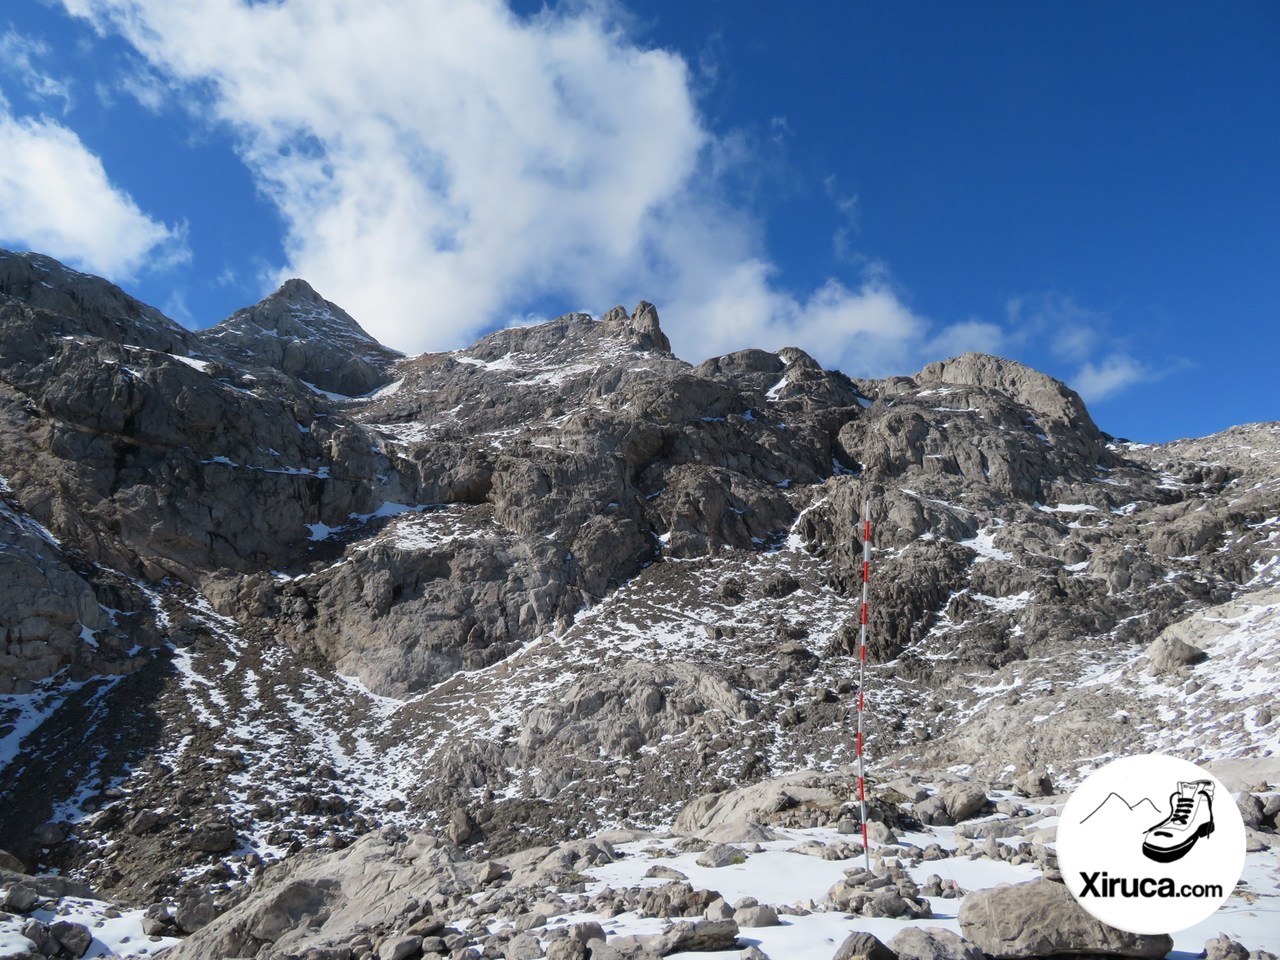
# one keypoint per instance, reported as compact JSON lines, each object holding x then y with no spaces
{"x":116,"y":933}
{"x":983,"y":543}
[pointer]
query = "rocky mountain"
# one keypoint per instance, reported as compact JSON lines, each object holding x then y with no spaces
{"x":271,"y":589}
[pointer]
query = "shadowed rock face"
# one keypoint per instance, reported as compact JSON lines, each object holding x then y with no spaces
{"x":596,"y":580}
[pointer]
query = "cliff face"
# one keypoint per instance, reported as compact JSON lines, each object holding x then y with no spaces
{"x":271,"y":584}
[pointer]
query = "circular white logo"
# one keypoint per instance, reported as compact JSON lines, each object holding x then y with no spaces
{"x":1151,"y":844}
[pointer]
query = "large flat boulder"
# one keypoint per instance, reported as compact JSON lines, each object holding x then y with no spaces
{"x":1042,"y":919}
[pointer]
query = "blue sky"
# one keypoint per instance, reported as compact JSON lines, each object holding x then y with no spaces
{"x":1091,"y":188}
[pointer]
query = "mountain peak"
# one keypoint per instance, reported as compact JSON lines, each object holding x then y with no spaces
{"x":300,"y":332}
{"x":297,"y":310}
{"x":1038,"y":391}
{"x":295,"y":288}
{"x":641,"y":326}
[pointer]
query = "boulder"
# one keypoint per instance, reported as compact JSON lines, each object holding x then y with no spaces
{"x":74,"y":937}
{"x":932,"y":943}
{"x":50,"y":834}
{"x":1252,"y":811}
{"x":216,"y":836}
{"x":38,"y":933}
{"x":400,"y":948}
{"x":933,"y":811}
{"x":1034,"y":783}
{"x":745,"y":831}
{"x":586,"y":931}
{"x":863,"y":946}
{"x":1223,"y":947}
{"x":20,"y":898}
{"x":566,"y":948}
{"x":720,"y":910}
{"x":194,"y":913}
{"x":1169,"y":654}
{"x":660,"y":872}
{"x":523,"y":946}
{"x":963,"y":800}
{"x":1041,"y":918}
{"x":699,"y":936}
{"x":761,"y":915}
{"x":721,"y":855}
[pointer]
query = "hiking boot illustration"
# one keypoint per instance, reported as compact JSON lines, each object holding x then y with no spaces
{"x":1190,"y":818}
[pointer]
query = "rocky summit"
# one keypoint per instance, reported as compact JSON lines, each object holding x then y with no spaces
{"x":548,"y":646}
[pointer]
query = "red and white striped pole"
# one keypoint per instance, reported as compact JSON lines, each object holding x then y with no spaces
{"x":862,"y":669}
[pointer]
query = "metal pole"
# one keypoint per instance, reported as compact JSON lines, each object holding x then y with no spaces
{"x":862,"y":669}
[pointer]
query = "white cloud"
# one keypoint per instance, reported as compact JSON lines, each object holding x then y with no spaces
{"x":18,"y":56}
{"x":846,"y":205}
{"x":976,"y":336}
{"x":1071,"y":331}
{"x":441,"y":165}
{"x":56,"y":197}
{"x":1097,"y":381}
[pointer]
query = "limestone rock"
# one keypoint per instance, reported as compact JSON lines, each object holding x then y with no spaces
{"x":963,"y":800}
{"x":1041,"y":918}
{"x":1035,"y":783}
{"x":319,"y":899}
{"x":863,"y":946}
{"x":75,"y":938}
{"x":299,"y":332}
{"x":932,"y":943}
{"x":1169,"y":654}
{"x":215,"y":836}
{"x":699,"y":935}
{"x":1223,"y":947}
{"x":20,"y":898}
{"x":566,"y":949}
{"x":194,"y":913}
{"x":721,"y":855}
{"x":760,"y":915}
